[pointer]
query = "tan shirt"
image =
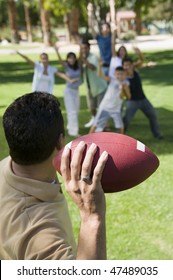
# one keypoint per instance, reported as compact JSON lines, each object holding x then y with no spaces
{"x":34,"y":219}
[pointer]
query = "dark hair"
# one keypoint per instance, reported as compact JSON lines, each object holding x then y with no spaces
{"x":75,"y":66}
{"x":85,"y":42}
{"x":128,"y":59}
{"x":119,"y":68}
{"x":33,"y":124}
{"x":122,"y":47}
{"x":44,"y":54}
{"x":105,"y":23}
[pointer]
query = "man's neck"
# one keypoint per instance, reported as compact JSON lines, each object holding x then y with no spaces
{"x":42,"y":172}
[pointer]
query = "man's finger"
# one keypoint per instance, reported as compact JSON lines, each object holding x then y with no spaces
{"x":87,"y":163}
{"x":76,"y":161}
{"x":98,"y":171}
{"x":65,"y":164}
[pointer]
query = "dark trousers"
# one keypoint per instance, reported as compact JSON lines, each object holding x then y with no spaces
{"x":146,"y":107}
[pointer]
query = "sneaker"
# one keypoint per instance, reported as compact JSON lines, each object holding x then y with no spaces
{"x":90,"y":123}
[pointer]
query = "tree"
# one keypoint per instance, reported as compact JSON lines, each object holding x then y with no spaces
{"x":45,"y":22}
{"x":12,"y":15}
{"x":71,"y":21}
{"x":3,"y":13}
{"x":162,"y":10}
{"x":140,"y":7}
{"x":28,"y":20}
{"x":70,"y":10}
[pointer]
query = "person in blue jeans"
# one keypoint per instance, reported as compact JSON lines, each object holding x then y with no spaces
{"x":139,"y":101}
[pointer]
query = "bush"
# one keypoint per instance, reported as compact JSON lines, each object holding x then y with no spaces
{"x":5,"y":33}
{"x":129,"y":35}
{"x":86,"y":36}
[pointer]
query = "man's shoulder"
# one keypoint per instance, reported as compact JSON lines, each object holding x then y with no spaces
{"x":3,"y":162}
{"x":136,"y":73}
{"x":92,"y":55}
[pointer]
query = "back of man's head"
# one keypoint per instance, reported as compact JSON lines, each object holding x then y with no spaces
{"x":33,"y":124}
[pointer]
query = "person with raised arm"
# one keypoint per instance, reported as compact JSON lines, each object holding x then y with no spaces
{"x":71,"y":93}
{"x":96,"y":86}
{"x":120,"y":54}
{"x":103,"y":38}
{"x":44,"y":73}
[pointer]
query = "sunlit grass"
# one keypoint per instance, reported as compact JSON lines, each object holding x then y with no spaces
{"x":140,"y":220}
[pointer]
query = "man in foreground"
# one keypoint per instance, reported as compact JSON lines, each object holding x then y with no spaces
{"x":35,"y":222}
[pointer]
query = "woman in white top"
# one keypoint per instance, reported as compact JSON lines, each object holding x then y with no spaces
{"x":117,"y":58}
{"x":43,"y":79}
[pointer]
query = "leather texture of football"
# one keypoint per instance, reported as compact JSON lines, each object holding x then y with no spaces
{"x":129,"y":162}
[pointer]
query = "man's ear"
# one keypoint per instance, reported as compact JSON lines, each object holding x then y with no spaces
{"x":61,"y":142}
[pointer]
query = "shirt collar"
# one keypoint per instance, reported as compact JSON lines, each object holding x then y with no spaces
{"x":41,"y":190}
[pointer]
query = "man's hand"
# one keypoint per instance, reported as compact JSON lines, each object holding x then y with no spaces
{"x":86,"y":192}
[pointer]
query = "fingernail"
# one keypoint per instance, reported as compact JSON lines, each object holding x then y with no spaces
{"x":81,"y":143}
{"x":66,"y":150}
{"x":93,"y":146}
{"x":104,"y":155}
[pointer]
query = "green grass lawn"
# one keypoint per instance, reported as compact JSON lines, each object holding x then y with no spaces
{"x":140,"y":220}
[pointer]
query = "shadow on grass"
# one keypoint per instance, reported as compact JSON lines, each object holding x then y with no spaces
{"x":139,"y":128}
{"x":159,"y":56}
{"x":22,"y":72}
{"x":160,"y":74}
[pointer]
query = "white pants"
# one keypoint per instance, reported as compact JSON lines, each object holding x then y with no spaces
{"x":72,"y":103}
{"x":103,"y":116}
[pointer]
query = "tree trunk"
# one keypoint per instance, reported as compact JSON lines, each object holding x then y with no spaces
{"x":28,"y":21}
{"x":112,"y":11}
{"x":45,"y":22}
{"x":71,"y":22}
{"x":66,"y":25}
{"x":12,"y":14}
{"x":138,"y":19}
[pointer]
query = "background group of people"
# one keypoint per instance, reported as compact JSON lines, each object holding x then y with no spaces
{"x":104,"y":90}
